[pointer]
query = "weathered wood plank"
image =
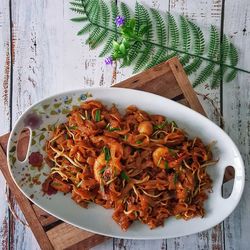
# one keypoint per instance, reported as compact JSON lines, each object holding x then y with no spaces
{"x":5,"y":66}
{"x":236,"y":112}
{"x":123,"y":74}
{"x":49,"y":58}
{"x":204,"y":13}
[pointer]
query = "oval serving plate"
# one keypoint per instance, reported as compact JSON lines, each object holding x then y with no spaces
{"x":40,"y":117}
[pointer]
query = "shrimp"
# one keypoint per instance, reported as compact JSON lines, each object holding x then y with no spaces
{"x":99,"y":165}
{"x":158,"y":156}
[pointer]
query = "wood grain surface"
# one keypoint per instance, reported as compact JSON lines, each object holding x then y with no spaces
{"x":47,"y":57}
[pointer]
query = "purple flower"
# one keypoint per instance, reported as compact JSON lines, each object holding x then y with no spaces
{"x":33,"y":121}
{"x":109,"y":60}
{"x":119,"y":21}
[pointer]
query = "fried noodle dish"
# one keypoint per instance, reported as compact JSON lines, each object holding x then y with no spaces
{"x":141,"y":165}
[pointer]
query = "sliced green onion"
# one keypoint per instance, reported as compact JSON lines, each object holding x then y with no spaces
{"x":124,"y":176}
{"x":160,"y":126}
{"x":138,"y":142}
{"x":73,"y":127}
{"x":176,"y":175}
{"x":166,"y":165}
{"x":98,"y":115}
{"x":173,"y":123}
{"x":106,"y":151}
{"x":102,"y":170}
{"x":125,"y":137}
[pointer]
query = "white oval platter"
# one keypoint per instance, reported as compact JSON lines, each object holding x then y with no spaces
{"x":96,"y":219}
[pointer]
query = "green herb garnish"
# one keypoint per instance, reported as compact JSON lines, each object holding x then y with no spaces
{"x":111,"y":129}
{"x":160,"y":126}
{"x":73,"y":127}
{"x":102,"y":170}
{"x":98,"y":115}
{"x":125,"y":137}
{"x":176,"y":175}
{"x":166,"y":165}
{"x":106,"y":151}
{"x":173,"y":123}
{"x":138,"y":142}
{"x":124,"y":176}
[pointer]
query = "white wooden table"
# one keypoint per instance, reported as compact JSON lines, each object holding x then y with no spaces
{"x":40,"y":55}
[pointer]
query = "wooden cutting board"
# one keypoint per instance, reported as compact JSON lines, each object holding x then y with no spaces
{"x":167,"y":79}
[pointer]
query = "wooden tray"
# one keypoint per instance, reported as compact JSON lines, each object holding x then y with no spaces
{"x":167,"y":79}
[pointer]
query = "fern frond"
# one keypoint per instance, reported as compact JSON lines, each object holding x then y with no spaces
{"x":193,"y":66}
{"x":161,"y":53}
{"x":96,"y":31}
{"x":233,"y":58}
{"x":233,"y":55}
{"x":198,"y":39}
{"x":95,"y":11}
{"x":108,"y":46}
{"x":186,"y":39}
{"x":145,"y":19}
{"x":105,"y":14}
{"x":161,"y":31}
{"x":78,"y":11}
{"x":205,"y":74}
{"x":133,"y":52}
{"x":217,"y":75}
{"x":173,"y":31}
{"x":214,"y":43}
{"x":143,"y":59}
{"x":115,"y":13}
{"x":85,"y":29}
{"x":231,"y":75}
{"x":79,"y":19}
{"x":77,"y":4}
{"x":199,"y":47}
{"x":125,"y":11}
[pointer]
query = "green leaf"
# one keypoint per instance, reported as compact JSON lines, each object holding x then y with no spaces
{"x":173,"y":31}
{"x":205,"y":74}
{"x":13,"y":149}
{"x":108,"y":46}
{"x":125,"y":11}
{"x":78,"y":10}
{"x":98,"y":115}
{"x":79,"y":19}
{"x":214,"y":43}
{"x":233,"y":57}
{"x":160,"y":27}
{"x":124,"y":176}
{"x":85,"y":29}
{"x":106,"y":152}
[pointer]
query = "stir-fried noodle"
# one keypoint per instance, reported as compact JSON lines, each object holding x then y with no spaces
{"x":141,"y":165}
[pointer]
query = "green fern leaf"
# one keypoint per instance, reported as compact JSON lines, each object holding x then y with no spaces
{"x":96,"y":31}
{"x":233,"y":58}
{"x":108,"y":46}
{"x":217,"y":75}
{"x":157,"y":58}
{"x":105,"y":21}
{"x":214,"y":43}
{"x":231,"y":75}
{"x":94,"y":12}
{"x":79,"y":19}
{"x":143,"y":59}
{"x":199,"y":47}
{"x":160,"y":27}
{"x":77,"y":4}
{"x":198,"y":39}
{"x":125,"y":11}
{"x":194,"y":66}
{"x":186,"y":39}
{"x":115,"y":13}
{"x":173,"y":31}
{"x":205,"y":74}
{"x":78,"y":11}
{"x":85,"y":29}
{"x":144,"y":17}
